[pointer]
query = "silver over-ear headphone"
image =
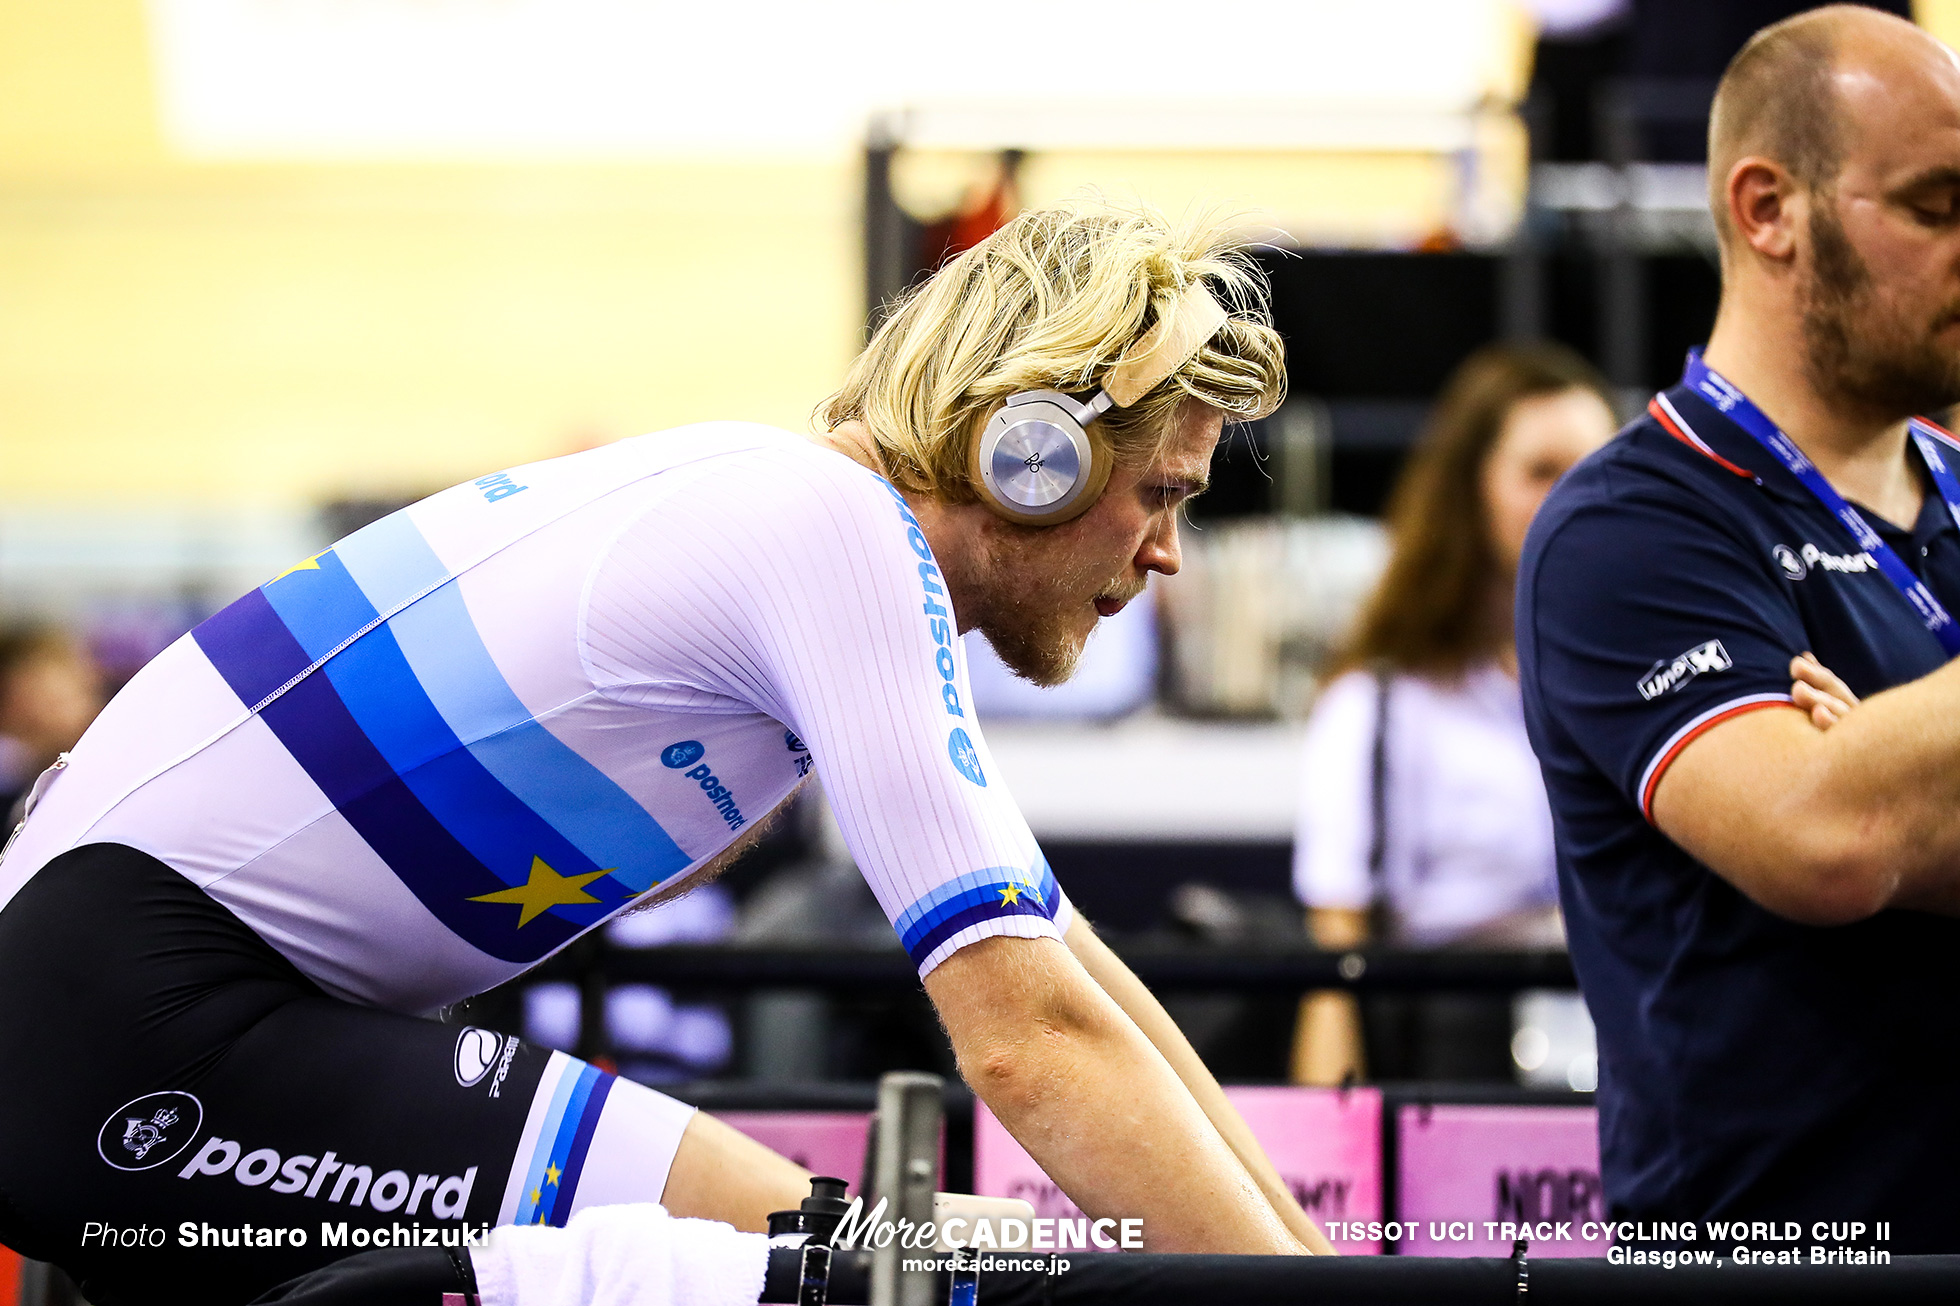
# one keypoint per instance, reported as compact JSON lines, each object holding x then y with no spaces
{"x":1037,"y":462}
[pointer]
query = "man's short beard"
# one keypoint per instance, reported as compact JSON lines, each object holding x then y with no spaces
{"x":1852,"y":348}
{"x":1045,"y":656}
{"x":1028,"y":620}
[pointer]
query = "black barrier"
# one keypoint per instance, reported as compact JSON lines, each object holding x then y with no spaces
{"x":417,"y":1278}
{"x":1246,"y":969}
{"x":1146,"y":1279}
{"x":595,"y":963}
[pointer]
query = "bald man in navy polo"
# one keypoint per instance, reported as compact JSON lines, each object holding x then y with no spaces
{"x":1761,"y":879}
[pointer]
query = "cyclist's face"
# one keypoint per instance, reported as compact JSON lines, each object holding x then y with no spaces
{"x":1046,"y":587}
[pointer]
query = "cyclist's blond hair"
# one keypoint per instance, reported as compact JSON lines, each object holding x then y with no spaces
{"x":1049,"y":302}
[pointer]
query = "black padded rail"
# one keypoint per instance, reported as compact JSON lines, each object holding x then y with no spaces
{"x":1159,"y":1280}
{"x":419,"y":1278}
{"x":1257,"y":968}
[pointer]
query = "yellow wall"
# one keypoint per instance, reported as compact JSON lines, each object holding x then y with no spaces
{"x":76,"y":87}
{"x":1940,"y":17}
{"x":275,"y":334}
{"x":282,"y":333}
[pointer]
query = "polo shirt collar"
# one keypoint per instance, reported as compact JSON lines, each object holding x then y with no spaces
{"x":1702,"y":426}
{"x":1713,"y":434}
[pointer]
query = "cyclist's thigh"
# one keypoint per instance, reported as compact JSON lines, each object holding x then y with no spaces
{"x":205,"y":1138}
{"x":355,"y":1129}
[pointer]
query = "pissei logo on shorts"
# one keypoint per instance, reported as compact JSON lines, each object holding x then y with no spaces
{"x":801,"y":752}
{"x":476,"y":1054}
{"x":148,"y":1131}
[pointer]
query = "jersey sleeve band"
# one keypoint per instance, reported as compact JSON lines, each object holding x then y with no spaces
{"x":978,"y":896}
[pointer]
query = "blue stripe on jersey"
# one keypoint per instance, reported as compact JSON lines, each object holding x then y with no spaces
{"x":392,"y":563}
{"x":252,"y":649}
{"x":983,"y":895}
{"x":321,"y":607}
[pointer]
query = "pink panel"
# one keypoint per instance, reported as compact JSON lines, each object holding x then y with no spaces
{"x":826,"y":1142}
{"x":1326,"y":1145}
{"x":1470,"y":1166}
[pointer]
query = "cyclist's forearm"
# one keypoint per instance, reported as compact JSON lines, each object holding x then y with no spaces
{"x":1121,"y":983}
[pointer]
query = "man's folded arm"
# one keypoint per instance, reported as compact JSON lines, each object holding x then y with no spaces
{"x":1826,"y":827}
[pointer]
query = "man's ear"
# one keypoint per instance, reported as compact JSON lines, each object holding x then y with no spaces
{"x":1766,"y":207}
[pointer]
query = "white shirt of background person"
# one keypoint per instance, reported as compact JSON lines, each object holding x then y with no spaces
{"x":1467,"y":853}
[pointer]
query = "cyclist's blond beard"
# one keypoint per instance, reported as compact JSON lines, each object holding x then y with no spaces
{"x":1033,"y":622}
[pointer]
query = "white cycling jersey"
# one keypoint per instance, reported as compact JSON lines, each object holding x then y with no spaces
{"x":425,"y":759}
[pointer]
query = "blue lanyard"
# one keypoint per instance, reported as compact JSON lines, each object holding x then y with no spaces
{"x":1715,"y":388}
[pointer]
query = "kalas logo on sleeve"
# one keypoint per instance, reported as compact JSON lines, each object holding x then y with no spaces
{"x":149,"y":1131}
{"x":1671,"y":674}
{"x":966,"y":758}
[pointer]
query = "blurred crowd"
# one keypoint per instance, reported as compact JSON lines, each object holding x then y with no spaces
{"x":51,"y":687}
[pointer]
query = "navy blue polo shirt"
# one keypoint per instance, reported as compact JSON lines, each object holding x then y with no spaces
{"x":1749,"y":1066}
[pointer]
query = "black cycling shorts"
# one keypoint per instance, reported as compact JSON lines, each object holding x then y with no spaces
{"x":184,"y":1117}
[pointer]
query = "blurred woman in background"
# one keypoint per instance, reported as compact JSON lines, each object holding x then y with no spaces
{"x":50,"y":689}
{"x":1424,"y":821}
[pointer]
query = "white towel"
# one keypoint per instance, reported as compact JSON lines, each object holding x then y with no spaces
{"x":636,"y":1255}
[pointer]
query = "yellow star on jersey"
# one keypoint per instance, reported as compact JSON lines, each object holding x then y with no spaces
{"x":551,"y":1173}
{"x":544,"y":890}
{"x":309,"y":564}
{"x":537,"y":1197}
{"x":1010,"y":895}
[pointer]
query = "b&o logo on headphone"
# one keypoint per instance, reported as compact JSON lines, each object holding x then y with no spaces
{"x":685,"y":753}
{"x":147,"y":1132}
{"x":476,"y":1054}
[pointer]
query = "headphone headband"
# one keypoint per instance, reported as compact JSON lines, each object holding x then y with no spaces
{"x":1036,"y":463}
{"x":1166,"y":347}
